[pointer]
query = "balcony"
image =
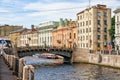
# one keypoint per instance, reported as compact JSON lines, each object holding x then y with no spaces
{"x":118,"y":22}
{"x":117,"y":35}
{"x":69,"y":40}
{"x":59,"y":41}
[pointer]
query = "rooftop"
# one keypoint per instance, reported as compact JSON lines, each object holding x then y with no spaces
{"x":117,"y":10}
{"x":98,"y":6}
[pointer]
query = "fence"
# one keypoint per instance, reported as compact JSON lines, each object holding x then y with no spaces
{"x":111,"y":52}
{"x":18,"y":66}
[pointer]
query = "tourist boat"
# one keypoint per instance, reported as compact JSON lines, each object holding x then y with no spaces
{"x":55,"y":59}
{"x":49,"y":56}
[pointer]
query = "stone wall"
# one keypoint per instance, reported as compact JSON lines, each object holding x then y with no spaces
{"x":107,"y":60}
{"x":80,"y":55}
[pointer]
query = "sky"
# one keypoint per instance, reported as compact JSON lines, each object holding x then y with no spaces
{"x":33,"y":12}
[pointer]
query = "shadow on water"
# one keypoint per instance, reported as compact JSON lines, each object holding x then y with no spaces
{"x":77,"y":72}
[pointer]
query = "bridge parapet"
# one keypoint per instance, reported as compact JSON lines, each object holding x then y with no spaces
{"x":66,"y":53}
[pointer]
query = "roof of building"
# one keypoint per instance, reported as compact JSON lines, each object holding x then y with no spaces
{"x":6,"y":25}
{"x":98,"y":6}
{"x":19,"y":30}
{"x":117,"y":10}
{"x":66,"y":24}
{"x":30,"y":31}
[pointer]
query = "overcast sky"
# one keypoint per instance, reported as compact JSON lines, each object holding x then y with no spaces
{"x":27,"y":12}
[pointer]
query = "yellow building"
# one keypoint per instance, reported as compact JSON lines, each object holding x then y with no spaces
{"x":14,"y":36}
{"x":65,"y":36}
{"x":6,"y":29}
{"x":93,"y":28}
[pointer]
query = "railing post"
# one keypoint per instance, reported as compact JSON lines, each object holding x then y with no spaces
{"x":14,"y":64}
{"x":31,"y":74}
{"x":26,"y":72}
{"x":11,"y":62}
{"x":20,"y":72}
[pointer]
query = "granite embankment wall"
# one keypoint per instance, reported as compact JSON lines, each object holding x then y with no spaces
{"x":107,"y":60}
{"x":82,"y":55}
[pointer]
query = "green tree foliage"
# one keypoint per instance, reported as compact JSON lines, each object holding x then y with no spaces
{"x":112,"y":30}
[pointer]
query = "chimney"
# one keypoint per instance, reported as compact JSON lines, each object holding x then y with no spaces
{"x":32,"y":26}
{"x":101,"y":6}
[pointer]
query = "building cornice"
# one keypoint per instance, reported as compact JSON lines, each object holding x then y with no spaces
{"x":117,"y":10}
{"x":99,"y":6}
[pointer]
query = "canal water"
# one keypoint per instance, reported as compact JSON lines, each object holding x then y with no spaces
{"x":76,"y":72}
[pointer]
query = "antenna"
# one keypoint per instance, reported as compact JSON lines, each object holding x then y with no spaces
{"x":89,"y":3}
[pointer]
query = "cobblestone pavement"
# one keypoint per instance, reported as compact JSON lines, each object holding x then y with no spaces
{"x":5,"y":73}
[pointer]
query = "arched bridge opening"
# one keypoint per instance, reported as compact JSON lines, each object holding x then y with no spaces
{"x":66,"y":53}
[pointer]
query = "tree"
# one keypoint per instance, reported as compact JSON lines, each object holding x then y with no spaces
{"x":112,"y":30}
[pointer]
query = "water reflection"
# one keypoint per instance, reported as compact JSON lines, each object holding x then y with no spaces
{"x":77,"y":72}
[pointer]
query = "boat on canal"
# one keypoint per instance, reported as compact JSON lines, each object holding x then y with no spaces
{"x":47,"y":59}
{"x":52,"y":57}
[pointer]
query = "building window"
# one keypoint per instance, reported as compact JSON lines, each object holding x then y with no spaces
{"x":70,"y":35}
{"x":89,"y":22}
{"x":86,"y":44}
{"x":86,"y":23}
{"x":117,"y":18}
{"x":117,"y":29}
{"x":89,"y":29}
{"x":83,"y":45}
{"x":78,"y":24}
{"x":74,"y":35}
{"x":105,"y":22}
{"x":98,"y":45}
{"x":83,"y":30}
{"x":105,"y":37}
{"x":98,"y":14}
{"x":105,"y":29}
{"x":98,"y":29}
{"x":98,"y":37}
{"x":78,"y":17}
{"x":98,"y":22}
{"x":86,"y":37}
{"x":86,"y":30}
{"x":81,"y":38}
{"x":105,"y":14}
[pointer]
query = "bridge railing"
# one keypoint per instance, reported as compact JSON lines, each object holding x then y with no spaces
{"x":19,"y":67}
{"x":106,"y":52}
{"x":26,"y":72}
{"x":10,"y":60}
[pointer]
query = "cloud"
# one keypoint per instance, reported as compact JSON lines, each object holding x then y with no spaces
{"x":29,"y":12}
{"x":54,"y":9}
{"x":50,"y":9}
{"x":3,"y":10}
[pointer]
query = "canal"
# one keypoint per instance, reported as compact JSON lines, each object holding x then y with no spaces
{"x":76,"y":72}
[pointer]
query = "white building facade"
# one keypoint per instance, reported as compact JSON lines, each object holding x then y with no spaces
{"x":29,"y":38}
{"x":45,"y":33}
{"x":117,"y":29}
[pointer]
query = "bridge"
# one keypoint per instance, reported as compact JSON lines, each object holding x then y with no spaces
{"x":22,"y":52}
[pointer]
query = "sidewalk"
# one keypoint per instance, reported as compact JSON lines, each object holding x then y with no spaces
{"x":5,"y":73}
